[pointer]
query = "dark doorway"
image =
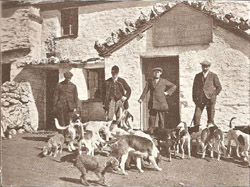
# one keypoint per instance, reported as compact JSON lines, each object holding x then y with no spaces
{"x":170,"y":66}
{"x":52,"y":78}
{"x":5,"y":73}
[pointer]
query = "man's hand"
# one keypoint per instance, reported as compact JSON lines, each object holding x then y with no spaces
{"x":123,"y":98}
{"x":165,"y":93}
{"x":139,"y":100}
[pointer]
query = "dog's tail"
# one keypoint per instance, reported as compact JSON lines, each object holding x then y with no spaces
{"x":230,"y":123}
{"x":58,"y":125}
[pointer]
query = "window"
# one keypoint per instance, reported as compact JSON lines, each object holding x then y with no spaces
{"x":96,"y":81}
{"x":69,"y":22}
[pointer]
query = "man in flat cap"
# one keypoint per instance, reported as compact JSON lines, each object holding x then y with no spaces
{"x":65,"y":99}
{"x":206,"y":87}
{"x":117,"y":93}
{"x":159,"y":88}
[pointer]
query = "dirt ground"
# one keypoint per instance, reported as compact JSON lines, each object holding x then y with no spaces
{"x":22,"y":165}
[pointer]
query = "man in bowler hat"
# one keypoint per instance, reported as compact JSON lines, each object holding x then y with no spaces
{"x":65,"y":99}
{"x":159,"y":88}
{"x":206,"y":87}
{"x":117,"y":93}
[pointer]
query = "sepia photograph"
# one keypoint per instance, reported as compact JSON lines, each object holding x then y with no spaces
{"x":125,"y":93}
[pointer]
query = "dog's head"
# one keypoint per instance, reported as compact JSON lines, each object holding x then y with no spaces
{"x":113,"y":163}
{"x":164,"y":134}
{"x":75,"y":118}
{"x":105,"y":129}
{"x":211,"y":133}
{"x":181,"y":130}
{"x":46,"y":150}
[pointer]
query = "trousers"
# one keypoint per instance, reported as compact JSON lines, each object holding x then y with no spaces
{"x":210,"y":107}
{"x":114,"y":107}
{"x":152,"y":118}
{"x":63,"y":115}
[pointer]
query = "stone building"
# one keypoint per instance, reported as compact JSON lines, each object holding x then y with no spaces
{"x":33,"y":32}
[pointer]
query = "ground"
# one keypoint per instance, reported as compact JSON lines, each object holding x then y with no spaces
{"x":22,"y":165}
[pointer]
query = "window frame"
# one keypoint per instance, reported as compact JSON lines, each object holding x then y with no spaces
{"x":73,"y":32}
{"x":100,"y":81}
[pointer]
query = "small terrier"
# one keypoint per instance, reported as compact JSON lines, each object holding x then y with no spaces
{"x":53,"y":145}
{"x":87,"y":163}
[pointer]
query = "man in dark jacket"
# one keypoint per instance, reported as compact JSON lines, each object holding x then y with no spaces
{"x":65,"y":99}
{"x":206,"y":87}
{"x":157,"y":102}
{"x":117,"y":93}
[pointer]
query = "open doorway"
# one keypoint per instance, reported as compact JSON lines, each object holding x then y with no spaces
{"x":52,"y":78}
{"x":5,"y":72}
{"x":170,"y":66}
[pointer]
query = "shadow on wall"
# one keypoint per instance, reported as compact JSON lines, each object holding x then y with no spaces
{"x":42,"y":81}
{"x":15,"y":54}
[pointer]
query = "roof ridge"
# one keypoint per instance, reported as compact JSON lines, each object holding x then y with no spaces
{"x":121,"y":37}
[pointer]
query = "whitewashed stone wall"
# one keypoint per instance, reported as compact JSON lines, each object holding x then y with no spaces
{"x":93,"y":25}
{"x":20,"y":37}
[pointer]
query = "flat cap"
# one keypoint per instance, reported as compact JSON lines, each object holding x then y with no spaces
{"x":68,"y":74}
{"x":206,"y":63}
{"x":157,"y":69}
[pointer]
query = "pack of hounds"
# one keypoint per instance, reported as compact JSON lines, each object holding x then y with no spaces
{"x":125,"y":146}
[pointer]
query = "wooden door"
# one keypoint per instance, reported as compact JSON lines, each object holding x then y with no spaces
{"x":170,"y":66}
{"x":52,"y":78}
{"x":5,"y":73}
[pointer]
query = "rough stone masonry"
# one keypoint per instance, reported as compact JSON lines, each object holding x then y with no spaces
{"x":18,"y":109}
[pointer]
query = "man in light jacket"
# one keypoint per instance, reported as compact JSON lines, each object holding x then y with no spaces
{"x":159,"y":88}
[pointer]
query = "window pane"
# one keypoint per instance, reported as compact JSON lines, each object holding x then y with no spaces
{"x":69,"y":21}
{"x":95,"y":82}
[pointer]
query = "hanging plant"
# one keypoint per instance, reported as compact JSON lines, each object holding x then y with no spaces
{"x":51,"y":46}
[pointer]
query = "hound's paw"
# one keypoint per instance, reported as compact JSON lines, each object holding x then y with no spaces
{"x":159,"y":169}
{"x":124,"y":173}
{"x":141,"y":171}
{"x":69,"y":149}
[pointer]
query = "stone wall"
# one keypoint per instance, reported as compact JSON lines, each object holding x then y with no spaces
{"x":37,"y":79}
{"x":91,"y":26}
{"x":18,"y":109}
{"x":20,"y":37}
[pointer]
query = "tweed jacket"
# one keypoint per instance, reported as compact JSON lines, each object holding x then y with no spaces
{"x":65,"y":93}
{"x":157,"y":98}
{"x":209,"y":87}
{"x":124,"y":89}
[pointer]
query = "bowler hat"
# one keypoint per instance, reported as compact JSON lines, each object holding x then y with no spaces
{"x":68,"y":74}
{"x":157,"y":69}
{"x":206,"y":63}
